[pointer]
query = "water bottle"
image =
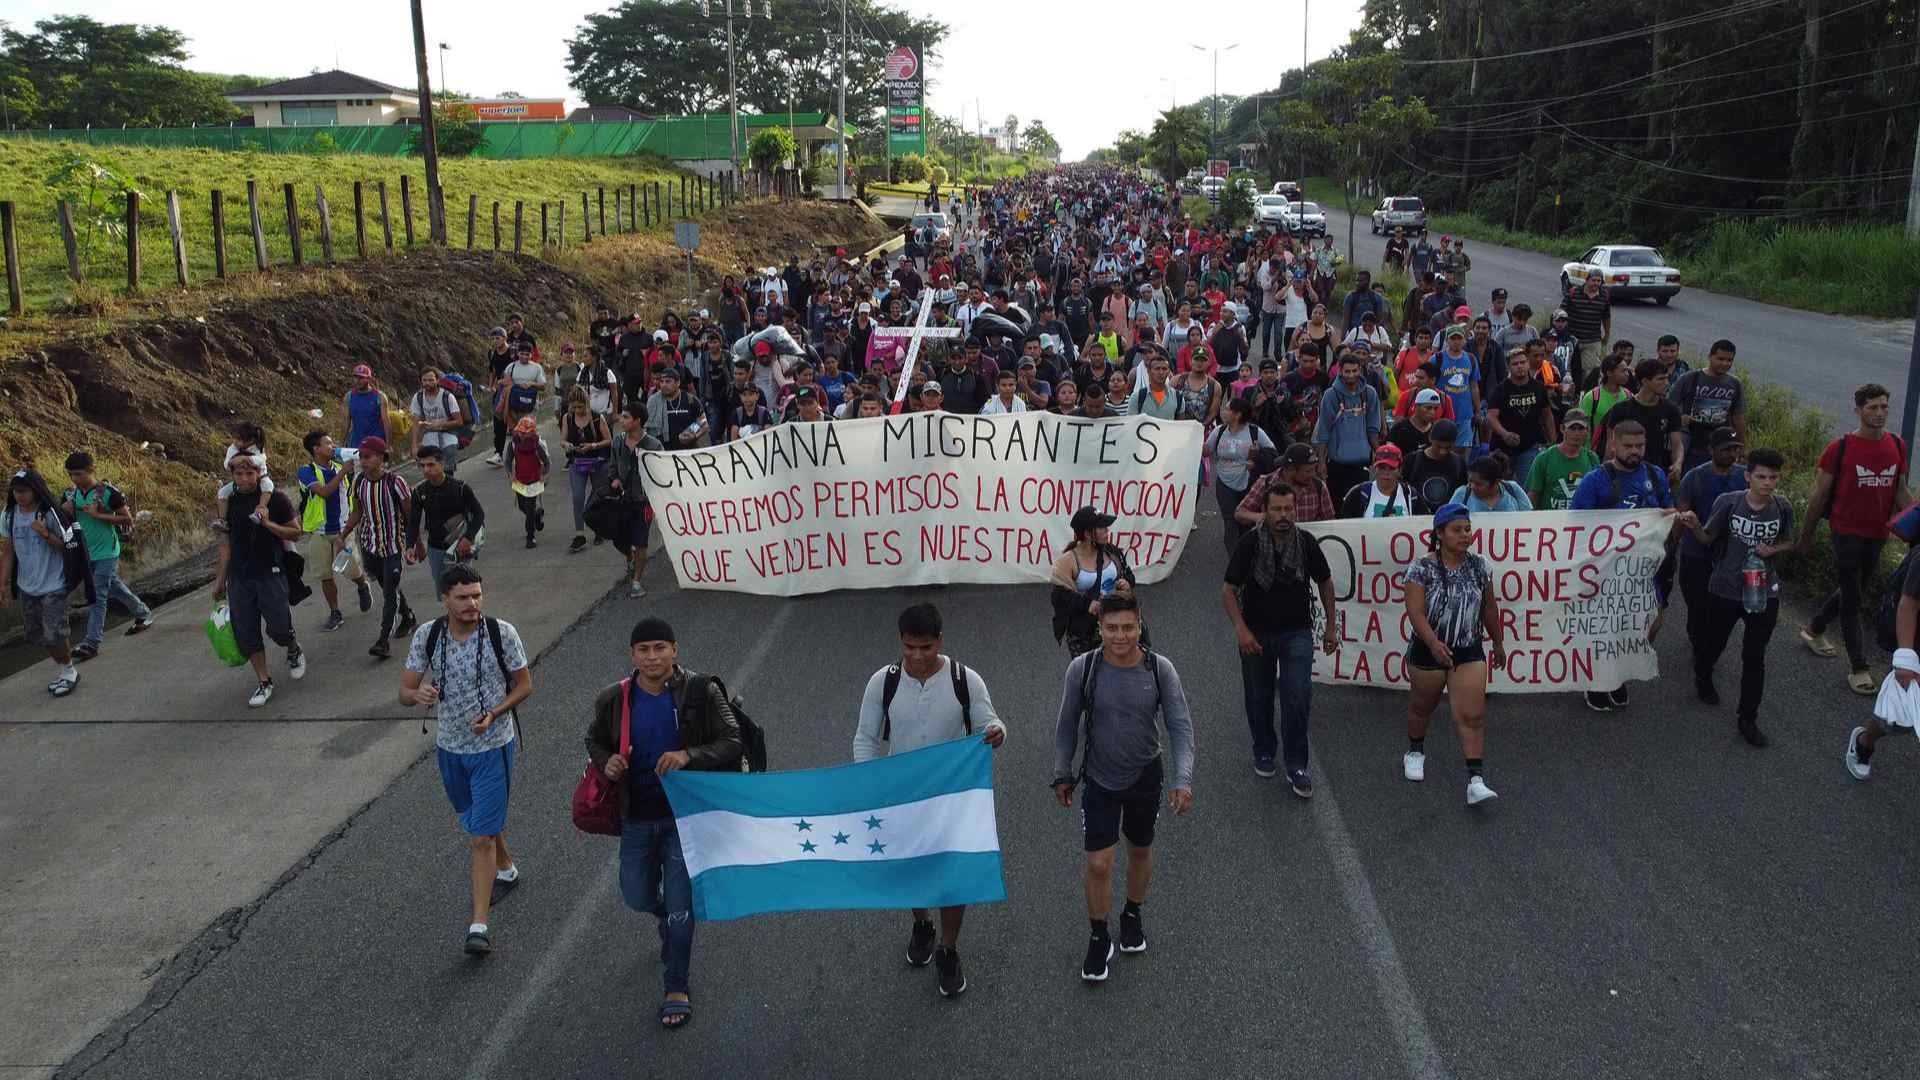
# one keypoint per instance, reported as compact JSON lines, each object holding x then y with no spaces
{"x":1753,"y":583}
{"x":342,"y":560}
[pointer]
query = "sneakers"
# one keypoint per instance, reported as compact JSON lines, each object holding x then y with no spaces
{"x":493,"y":460}
{"x":1618,"y":697}
{"x":1818,"y":643}
{"x":953,"y":982}
{"x":1302,"y":783}
{"x":1133,"y":935}
{"x":84,"y":652}
{"x":1099,"y":954}
{"x":531,"y":544}
{"x":1263,"y":765}
{"x":366,"y":597}
{"x":140,"y":626}
{"x":1705,"y":691}
{"x":406,"y":627}
{"x":261,"y":695}
{"x":1856,"y":768}
{"x":1413,"y":764}
{"x":479,"y":941}
{"x":1863,"y":683}
{"x":296,"y":663}
{"x":1750,"y":731}
{"x":636,"y":590}
{"x":379,"y":650}
{"x":1478,"y":791}
{"x":579,"y":545}
{"x":1599,"y":701}
{"x":920,"y":944}
{"x":335,"y":621}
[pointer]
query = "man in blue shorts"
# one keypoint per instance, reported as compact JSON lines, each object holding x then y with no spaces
{"x":479,"y":674}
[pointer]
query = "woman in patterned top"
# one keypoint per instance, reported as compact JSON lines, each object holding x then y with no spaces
{"x":1451,"y":605}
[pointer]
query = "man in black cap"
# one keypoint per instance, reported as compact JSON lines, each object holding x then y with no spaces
{"x":674,"y":719}
{"x":1311,"y":499}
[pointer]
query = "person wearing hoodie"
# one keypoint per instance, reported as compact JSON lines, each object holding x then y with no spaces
{"x":1348,"y":428}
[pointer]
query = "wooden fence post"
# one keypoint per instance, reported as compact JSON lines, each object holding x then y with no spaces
{"x":133,"y":241}
{"x":10,"y":244}
{"x":496,"y":224}
{"x":619,"y":224}
{"x":70,"y":240}
{"x":646,"y":209}
{"x":179,"y":238}
{"x":473,"y":207}
{"x":586,"y":220}
{"x":519,"y":221}
{"x":603,"y":211}
{"x":386,"y":219}
{"x":543,"y":225}
{"x":665,"y":213}
{"x":360,"y":218}
{"x":293,"y":225}
{"x":562,"y":223}
{"x":259,"y":232}
{"x":406,"y":206}
{"x":326,"y":225}
{"x":219,"y":235}
{"x":633,"y":212}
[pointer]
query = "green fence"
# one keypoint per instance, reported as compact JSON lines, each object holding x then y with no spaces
{"x":687,"y":138}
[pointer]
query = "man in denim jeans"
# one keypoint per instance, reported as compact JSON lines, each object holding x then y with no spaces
{"x":101,"y":511}
{"x":663,"y":717}
{"x":1267,"y":598}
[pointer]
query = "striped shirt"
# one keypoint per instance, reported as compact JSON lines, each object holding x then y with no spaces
{"x":383,"y":519}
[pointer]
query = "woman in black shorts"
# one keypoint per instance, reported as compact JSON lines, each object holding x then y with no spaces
{"x":1451,"y":605}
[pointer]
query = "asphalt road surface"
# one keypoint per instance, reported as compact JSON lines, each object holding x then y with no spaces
{"x":1648,"y":897}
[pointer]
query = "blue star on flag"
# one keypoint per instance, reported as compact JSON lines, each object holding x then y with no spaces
{"x":876,"y":847}
{"x":807,"y":845}
{"x":873,"y":822}
{"x":803,"y":825}
{"x":840,"y":838}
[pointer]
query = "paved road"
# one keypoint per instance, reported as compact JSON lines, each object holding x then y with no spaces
{"x":1649,"y":897}
{"x":1821,"y":358}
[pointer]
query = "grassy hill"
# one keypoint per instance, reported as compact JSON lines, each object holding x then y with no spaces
{"x":35,"y":175}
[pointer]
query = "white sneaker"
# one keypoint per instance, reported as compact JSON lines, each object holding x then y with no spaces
{"x":1478,"y":792}
{"x":494,"y":460}
{"x":636,"y":590}
{"x":1414,"y":765}
{"x":1860,"y":769}
{"x":297,"y":663}
{"x":261,"y":695}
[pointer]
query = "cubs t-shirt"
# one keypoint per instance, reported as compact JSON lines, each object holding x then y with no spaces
{"x":1864,"y":472}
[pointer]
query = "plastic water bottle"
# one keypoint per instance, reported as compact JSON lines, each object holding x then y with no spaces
{"x":342,"y":560}
{"x":1753,"y":583}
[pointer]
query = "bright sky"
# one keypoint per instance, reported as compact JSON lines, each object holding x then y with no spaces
{"x":1046,"y":61}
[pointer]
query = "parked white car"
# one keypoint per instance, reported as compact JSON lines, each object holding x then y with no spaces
{"x":1267,"y":210}
{"x":1629,"y":271}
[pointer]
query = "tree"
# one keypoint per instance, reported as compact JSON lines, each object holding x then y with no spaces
{"x":1040,"y":142}
{"x":661,"y":56}
{"x":1351,"y":121}
{"x":1130,"y":147}
{"x":772,"y":148}
{"x":84,"y":72}
{"x":456,"y":131}
{"x":1178,"y":141}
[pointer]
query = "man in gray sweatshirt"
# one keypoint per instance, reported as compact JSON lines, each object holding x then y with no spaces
{"x":1348,"y":428}
{"x":1116,"y":692}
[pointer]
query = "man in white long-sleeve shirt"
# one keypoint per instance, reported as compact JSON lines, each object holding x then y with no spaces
{"x":924,"y":708}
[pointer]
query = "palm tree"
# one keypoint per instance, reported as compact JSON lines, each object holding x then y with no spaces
{"x":1179,"y":141}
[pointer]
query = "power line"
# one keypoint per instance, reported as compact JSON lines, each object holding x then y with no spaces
{"x":1611,"y":152}
{"x":1743,"y":7}
{"x":1752,"y":130}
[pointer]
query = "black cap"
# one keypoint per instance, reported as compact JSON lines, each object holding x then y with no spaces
{"x":1087,"y":519}
{"x":1297,"y":454}
{"x":651,"y":628}
{"x":1445,"y":431}
{"x":1723,"y":437}
{"x":1269,"y":365}
{"x":804,"y":393}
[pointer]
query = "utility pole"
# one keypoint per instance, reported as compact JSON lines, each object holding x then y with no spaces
{"x":1913,"y":192}
{"x":733,"y":97}
{"x":443,"y":65}
{"x":1213,"y":137}
{"x":1306,"y":11}
{"x":436,"y":213}
{"x":1473,"y":87}
{"x":840,"y":170}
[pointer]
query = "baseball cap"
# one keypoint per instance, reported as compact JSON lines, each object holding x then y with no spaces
{"x":704,"y":313}
{"x":659,"y":335}
{"x":1387,"y":454}
{"x":1445,"y":431}
{"x":1444,"y":238}
{"x":373,"y":444}
{"x":1269,"y":365}
{"x":1578,"y":418}
{"x":761,"y":348}
{"x":1450,"y":513}
{"x":1297,"y":454}
{"x":1086,"y":519}
{"x":1456,"y":332}
{"x":362,"y":371}
{"x":864,"y":306}
{"x":932,"y":389}
{"x":1560,"y":313}
{"x":498,"y":331}
{"x":1428,"y":396}
{"x":1721,"y":437}
{"x":804,"y":393}
{"x":526,"y":426}
{"x":1463,"y":312}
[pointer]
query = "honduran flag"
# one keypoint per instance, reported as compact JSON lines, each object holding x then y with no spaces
{"x":914,"y":829}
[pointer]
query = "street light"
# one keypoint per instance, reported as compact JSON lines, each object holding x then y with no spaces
{"x":1213,"y":138}
{"x":443,"y":65}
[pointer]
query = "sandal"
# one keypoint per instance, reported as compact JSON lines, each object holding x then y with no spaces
{"x":84,"y":653}
{"x":61,"y":687}
{"x":675,"y":1015}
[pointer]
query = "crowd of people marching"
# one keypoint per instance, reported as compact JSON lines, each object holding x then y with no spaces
{"x":1092,"y":294}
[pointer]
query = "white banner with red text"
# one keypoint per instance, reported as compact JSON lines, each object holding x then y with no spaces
{"x":920,"y":499}
{"x":1575,"y":589}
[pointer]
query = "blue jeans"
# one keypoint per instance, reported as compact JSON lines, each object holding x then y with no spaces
{"x":580,"y":485}
{"x":1272,"y":324}
{"x":1284,"y":662}
{"x":108,"y":587}
{"x":653,"y":878}
{"x":1522,"y":462}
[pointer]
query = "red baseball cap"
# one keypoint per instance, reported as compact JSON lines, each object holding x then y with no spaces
{"x":761,"y":348}
{"x":362,"y":371}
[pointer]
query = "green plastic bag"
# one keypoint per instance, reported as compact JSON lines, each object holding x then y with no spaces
{"x":220,"y":633}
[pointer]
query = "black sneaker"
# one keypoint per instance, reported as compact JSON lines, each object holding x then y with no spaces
{"x":1099,"y":952}
{"x":1750,"y":731}
{"x":920,"y":945}
{"x":380,"y":650}
{"x":1599,"y":701}
{"x":406,"y":627}
{"x":953,"y":982}
{"x":579,"y":545}
{"x":335,"y":621}
{"x":1133,"y":936}
{"x":1706,"y":691}
{"x":540,"y":521}
{"x":1619,"y":698}
{"x":479,"y":942}
{"x":531,"y":544}
{"x":1302,"y":786}
{"x":366,"y":597}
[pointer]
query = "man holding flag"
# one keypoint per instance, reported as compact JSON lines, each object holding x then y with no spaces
{"x":661,"y":718}
{"x":926,"y":698}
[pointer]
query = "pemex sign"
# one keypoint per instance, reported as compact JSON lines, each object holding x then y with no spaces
{"x":906,"y":102}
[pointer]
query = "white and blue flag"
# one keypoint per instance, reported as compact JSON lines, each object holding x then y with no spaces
{"x":910,"y":830}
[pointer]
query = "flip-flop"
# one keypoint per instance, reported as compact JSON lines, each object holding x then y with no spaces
{"x":671,"y":1009}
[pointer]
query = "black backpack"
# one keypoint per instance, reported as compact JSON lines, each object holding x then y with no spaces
{"x":753,"y":739}
{"x":438,"y":627}
{"x":892,"y":686}
{"x":1094,"y":659}
{"x":1886,"y":628}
